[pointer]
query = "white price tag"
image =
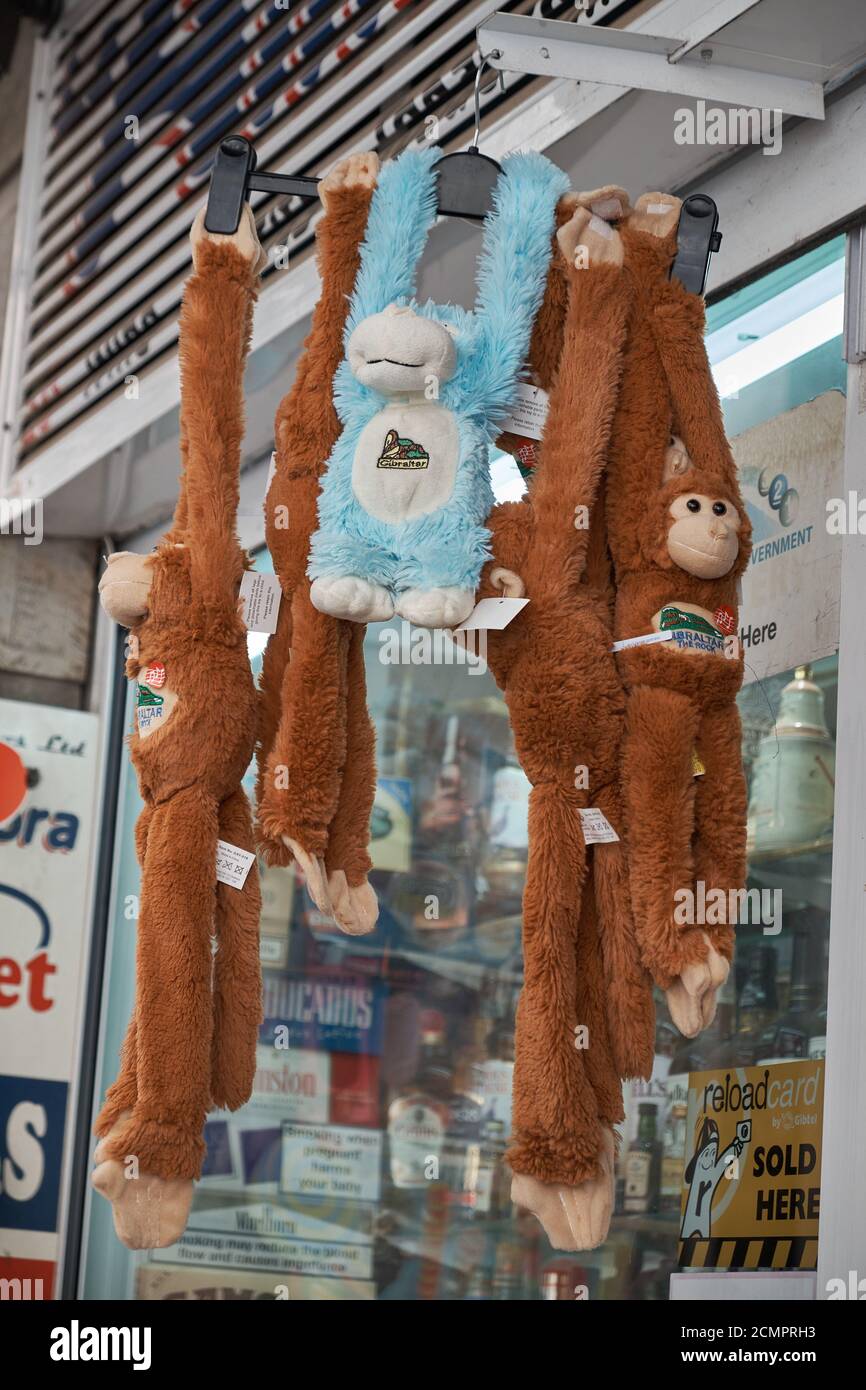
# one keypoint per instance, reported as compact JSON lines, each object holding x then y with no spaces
{"x":272,"y":468}
{"x":643,"y":641}
{"x":528,"y":412}
{"x":232,"y":864}
{"x":597,"y":829}
{"x":261,"y":595}
{"x":492,"y":613}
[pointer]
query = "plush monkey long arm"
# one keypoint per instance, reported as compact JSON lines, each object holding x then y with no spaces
{"x":316,"y":777}
{"x":581,"y":969}
{"x":679,"y":536}
{"x":192,"y":1040}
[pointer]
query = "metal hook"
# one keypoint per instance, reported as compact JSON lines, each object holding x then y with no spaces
{"x":484,"y":62}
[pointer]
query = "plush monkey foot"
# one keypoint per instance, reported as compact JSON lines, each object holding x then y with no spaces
{"x":510,"y":584}
{"x":435,"y":607}
{"x":149,"y":1212}
{"x":586,"y":240}
{"x":315,"y":875}
{"x":692,"y":997}
{"x":355,"y":171}
{"x":656,"y":213}
{"x":574,"y":1218}
{"x":355,"y":909}
{"x":610,"y":202}
{"x":346,"y":596}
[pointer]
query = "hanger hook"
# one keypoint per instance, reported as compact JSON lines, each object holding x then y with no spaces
{"x":483,"y":63}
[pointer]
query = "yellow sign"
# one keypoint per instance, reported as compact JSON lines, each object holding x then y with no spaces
{"x":752,"y":1173}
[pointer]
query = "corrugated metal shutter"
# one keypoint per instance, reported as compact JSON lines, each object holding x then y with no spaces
{"x":141,"y":93}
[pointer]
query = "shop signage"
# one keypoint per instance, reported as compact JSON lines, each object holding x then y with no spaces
{"x":334,"y":1161}
{"x":329,"y":1259}
{"x":171,"y":1283}
{"x":48,"y":760}
{"x":789,"y":468}
{"x":752,"y":1170}
{"x":335,"y":1013}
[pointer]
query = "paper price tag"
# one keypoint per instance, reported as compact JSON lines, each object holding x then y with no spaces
{"x":232,"y":864}
{"x":492,"y":614}
{"x":644,"y":640}
{"x":272,"y":468}
{"x":597,"y":829}
{"x":261,"y":595}
{"x":528,"y":412}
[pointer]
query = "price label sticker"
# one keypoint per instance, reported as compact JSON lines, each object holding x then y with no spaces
{"x":232,"y":864}
{"x":492,"y":614}
{"x":528,"y":412}
{"x":597,"y":829}
{"x":260,"y":595}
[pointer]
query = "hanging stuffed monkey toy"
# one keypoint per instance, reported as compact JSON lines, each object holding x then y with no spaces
{"x":585,"y":1018}
{"x":406,"y":490}
{"x":191,"y":1044}
{"x":680,"y":539}
{"x":316,"y":771}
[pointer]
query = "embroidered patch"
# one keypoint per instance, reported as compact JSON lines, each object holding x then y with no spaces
{"x":402,"y":453}
{"x":526,"y":456}
{"x":154,"y":675}
{"x":689,"y":631}
{"x":725,"y":619}
{"x":151,"y":708}
{"x":672,"y":618}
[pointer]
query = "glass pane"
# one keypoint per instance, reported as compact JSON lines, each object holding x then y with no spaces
{"x":370,"y":1161}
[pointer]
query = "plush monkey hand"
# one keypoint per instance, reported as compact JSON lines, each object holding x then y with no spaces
{"x":245,"y":240}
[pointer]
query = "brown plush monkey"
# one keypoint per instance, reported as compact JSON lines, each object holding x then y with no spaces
{"x":191,"y":1043}
{"x":565,"y":699}
{"x":317,"y":777}
{"x":680,"y":537}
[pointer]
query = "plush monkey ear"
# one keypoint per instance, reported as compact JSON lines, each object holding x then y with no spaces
{"x":676,"y":460}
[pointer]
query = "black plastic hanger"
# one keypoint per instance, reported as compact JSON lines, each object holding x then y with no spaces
{"x":698,"y":237}
{"x":466,"y":178}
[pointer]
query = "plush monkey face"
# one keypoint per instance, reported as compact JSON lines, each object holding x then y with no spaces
{"x":703,"y":538}
{"x":124,"y":588}
{"x":399,"y":351}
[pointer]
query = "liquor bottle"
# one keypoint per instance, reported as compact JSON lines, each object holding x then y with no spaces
{"x":790,"y":1035}
{"x":417,"y":1120}
{"x":643,"y":1163}
{"x":508,"y":1270}
{"x":756,"y":1007}
{"x":437,"y":893}
{"x":673,"y":1156}
{"x":502,"y":865}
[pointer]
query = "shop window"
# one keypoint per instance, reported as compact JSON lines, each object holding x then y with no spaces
{"x":370,"y":1162}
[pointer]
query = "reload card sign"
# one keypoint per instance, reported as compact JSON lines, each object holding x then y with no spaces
{"x":752,"y":1167}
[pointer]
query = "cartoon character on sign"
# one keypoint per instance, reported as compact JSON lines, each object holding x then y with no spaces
{"x":704,"y":1172}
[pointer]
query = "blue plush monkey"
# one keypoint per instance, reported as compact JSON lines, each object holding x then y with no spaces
{"x":421,"y":394}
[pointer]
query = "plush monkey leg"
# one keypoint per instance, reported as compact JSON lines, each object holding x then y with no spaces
{"x":237,"y":986}
{"x":660,"y":732}
{"x":557,"y":1134}
{"x":174,"y":999}
{"x":121,"y":1095}
{"x":150,"y":1158}
{"x":302,"y":781}
{"x":348,"y":861}
{"x":577,"y":1216}
{"x":630,"y":1006}
{"x":720,"y":864}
